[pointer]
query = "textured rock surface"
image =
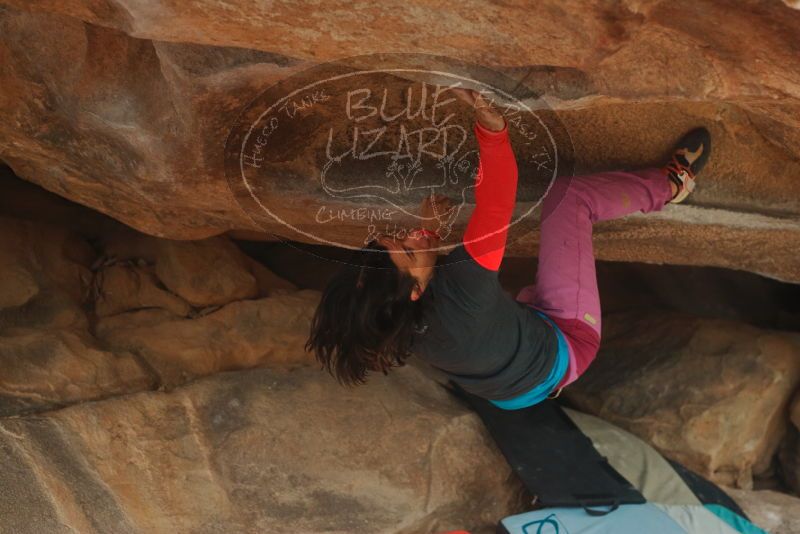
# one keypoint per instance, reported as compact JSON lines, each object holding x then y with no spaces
{"x":608,"y":42}
{"x":45,"y":369}
{"x":126,"y":109}
{"x":710,"y":394}
{"x":47,"y":354}
{"x":123,"y":287}
{"x":208,"y":272}
{"x":205,"y":273}
{"x":257,"y":451}
{"x":278,"y":450}
{"x":243,"y":334}
{"x":80,"y":323}
{"x":777,"y":513}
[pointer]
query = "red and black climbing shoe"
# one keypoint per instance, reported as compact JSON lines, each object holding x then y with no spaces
{"x":690,"y":155}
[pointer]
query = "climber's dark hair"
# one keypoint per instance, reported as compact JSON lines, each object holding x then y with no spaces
{"x":366,"y":318}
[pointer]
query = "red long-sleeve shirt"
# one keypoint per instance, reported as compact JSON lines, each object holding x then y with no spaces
{"x":495,"y":197}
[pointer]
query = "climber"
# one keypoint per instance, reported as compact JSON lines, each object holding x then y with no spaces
{"x":515,"y":353}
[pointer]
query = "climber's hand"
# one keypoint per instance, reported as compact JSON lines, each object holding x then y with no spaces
{"x":485,"y":113}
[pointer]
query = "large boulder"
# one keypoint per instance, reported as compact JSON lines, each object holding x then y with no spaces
{"x":122,"y":287}
{"x":48,"y":356}
{"x":210,"y":272}
{"x":711,"y":394}
{"x":244,"y":334}
{"x":128,"y":110}
{"x":266,"y":451}
{"x":49,"y":369}
{"x":207,"y":272}
{"x":46,"y":275}
{"x":130,"y":312}
{"x":192,"y":308}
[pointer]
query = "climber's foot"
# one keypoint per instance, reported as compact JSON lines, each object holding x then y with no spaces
{"x":690,"y":155}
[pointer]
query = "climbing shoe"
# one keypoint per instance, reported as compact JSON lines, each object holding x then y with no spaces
{"x":690,"y":155}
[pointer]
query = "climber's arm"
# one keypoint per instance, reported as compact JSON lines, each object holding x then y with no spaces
{"x":495,"y":197}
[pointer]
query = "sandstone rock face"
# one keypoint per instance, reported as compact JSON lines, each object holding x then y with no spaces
{"x":283,"y":449}
{"x":243,"y":334}
{"x":208,"y":272}
{"x":280,"y":447}
{"x":47,"y":267}
{"x":130,"y":287}
{"x":205,"y":273}
{"x":268,"y":283}
{"x":777,"y":513}
{"x":127,"y":109}
{"x":710,"y":394}
{"x":45,"y":369}
{"x":21,"y":286}
{"x":79,"y":323}
{"x":257,"y":451}
{"x":47,"y":354}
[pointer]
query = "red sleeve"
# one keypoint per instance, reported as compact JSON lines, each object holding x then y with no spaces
{"x":495,"y":197}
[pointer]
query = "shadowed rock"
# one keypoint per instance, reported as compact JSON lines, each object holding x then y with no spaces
{"x":122,"y":111}
{"x":274,"y":451}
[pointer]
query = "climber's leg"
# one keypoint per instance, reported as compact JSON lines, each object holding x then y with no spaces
{"x":566,"y":283}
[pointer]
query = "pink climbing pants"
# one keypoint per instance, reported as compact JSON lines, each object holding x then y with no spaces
{"x":566,"y":282}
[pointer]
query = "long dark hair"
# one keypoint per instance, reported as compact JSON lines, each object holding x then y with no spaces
{"x":366,"y":318}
